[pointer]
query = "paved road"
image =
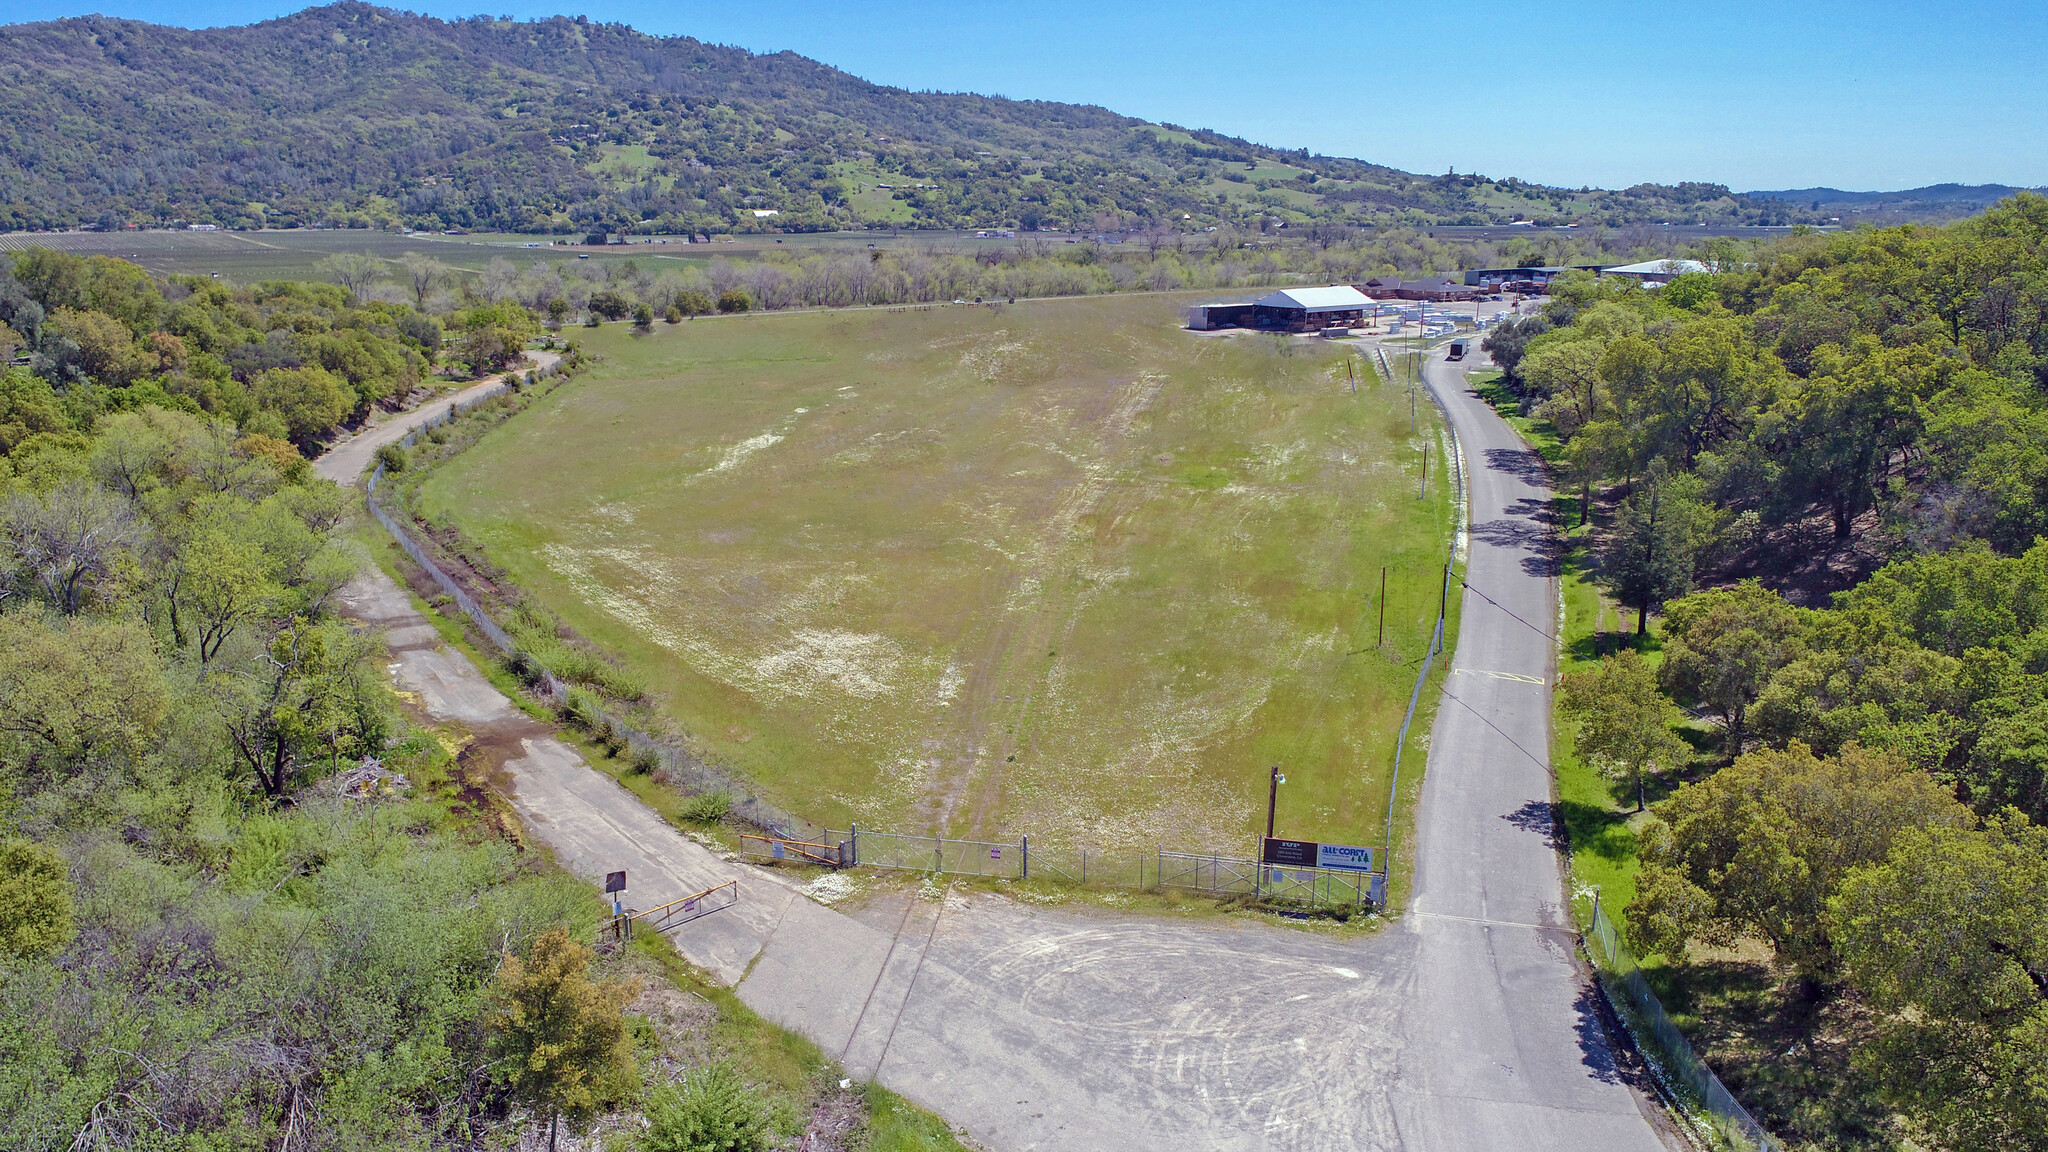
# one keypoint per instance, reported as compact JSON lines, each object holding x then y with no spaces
{"x":1499,"y":1016}
{"x":1465,"y":1026}
{"x":348,"y":460}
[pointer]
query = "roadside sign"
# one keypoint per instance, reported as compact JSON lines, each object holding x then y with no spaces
{"x":1292,"y":853}
{"x":615,"y":882}
{"x":1309,"y":854}
{"x":1349,"y":857}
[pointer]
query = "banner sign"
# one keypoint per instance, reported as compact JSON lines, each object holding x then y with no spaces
{"x":1349,"y":857}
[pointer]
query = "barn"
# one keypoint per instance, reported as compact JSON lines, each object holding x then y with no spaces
{"x":1288,"y":310}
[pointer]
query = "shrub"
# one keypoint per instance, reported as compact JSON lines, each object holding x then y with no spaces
{"x":610,"y":303}
{"x":734,"y":300}
{"x":706,"y":808}
{"x":392,"y":457}
{"x":709,"y":1110}
{"x":643,"y":316}
{"x":674,"y":315}
{"x":646,"y":759}
{"x":35,"y":900}
{"x":693,"y":303}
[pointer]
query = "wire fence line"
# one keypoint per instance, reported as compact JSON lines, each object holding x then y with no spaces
{"x":1702,"y":1098}
{"x":1210,"y":873}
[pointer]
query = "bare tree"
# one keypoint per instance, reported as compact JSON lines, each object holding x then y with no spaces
{"x":69,"y":541}
{"x":354,"y":271}
{"x":422,"y":274}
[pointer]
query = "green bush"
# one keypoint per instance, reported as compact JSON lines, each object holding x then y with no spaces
{"x":35,"y":900}
{"x":707,"y":808}
{"x":392,"y":457}
{"x":734,"y":300}
{"x":709,"y":1110}
{"x":646,"y":759}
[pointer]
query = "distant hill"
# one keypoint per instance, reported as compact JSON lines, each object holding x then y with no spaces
{"x":353,"y":115}
{"x":1933,"y":202}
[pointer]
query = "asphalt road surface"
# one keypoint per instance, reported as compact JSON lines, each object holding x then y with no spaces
{"x":1467,"y":1025}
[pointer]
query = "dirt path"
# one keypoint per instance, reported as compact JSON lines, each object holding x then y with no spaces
{"x":347,"y":461}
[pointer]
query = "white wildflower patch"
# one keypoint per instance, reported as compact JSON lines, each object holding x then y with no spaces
{"x":831,"y":888}
{"x":816,"y":660}
{"x":738,"y":454}
{"x":950,"y":683}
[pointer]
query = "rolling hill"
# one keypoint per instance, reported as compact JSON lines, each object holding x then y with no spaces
{"x":1933,"y":202}
{"x":354,"y":115}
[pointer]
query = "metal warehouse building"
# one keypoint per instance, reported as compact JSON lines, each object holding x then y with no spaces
{"x":1288,"y":310}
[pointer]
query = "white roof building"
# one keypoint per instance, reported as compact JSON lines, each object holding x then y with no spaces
{"x":1335,"y":298}
{"x":1657,"y":269}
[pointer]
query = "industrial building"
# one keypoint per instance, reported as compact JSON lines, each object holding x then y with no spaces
{"x":1436,"y":289}
{"x":1288,"y":310}
{"x":1654,"y":272}
{"x":1499,"y":279}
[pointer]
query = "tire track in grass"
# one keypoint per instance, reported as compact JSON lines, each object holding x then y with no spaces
{"x":1007,"y":688}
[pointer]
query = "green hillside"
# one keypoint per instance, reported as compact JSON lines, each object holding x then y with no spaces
{"x":357,"y":116}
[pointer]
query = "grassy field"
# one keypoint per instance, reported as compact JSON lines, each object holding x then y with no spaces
{"x":1057,"y":569}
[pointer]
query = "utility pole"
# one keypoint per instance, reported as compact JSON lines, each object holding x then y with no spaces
{"x":1383,"y":608}
{"x":1272,"y":801}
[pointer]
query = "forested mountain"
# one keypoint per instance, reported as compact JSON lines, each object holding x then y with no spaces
{"x":1933,"y":202}
{"x":352,"y":115}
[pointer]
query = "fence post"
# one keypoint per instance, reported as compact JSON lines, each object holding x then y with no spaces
{"x":1027,"y":857}
{"x":856,"y":843}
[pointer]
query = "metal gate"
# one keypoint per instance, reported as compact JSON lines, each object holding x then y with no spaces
{"x":940,"y":854}
{"x":1222,"y":875}
{"x":831,"y":854}
{"x":677,"y":913}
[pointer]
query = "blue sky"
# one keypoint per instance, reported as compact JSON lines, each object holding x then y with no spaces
{"x":1875,"y":94}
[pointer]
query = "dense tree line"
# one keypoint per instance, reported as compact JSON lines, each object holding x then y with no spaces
{"x":91,"y":335}
{"x":351,"y":116}
{"x":202,"y":944}
{"x":1864,"y":415}
{"x":1154,"y":260}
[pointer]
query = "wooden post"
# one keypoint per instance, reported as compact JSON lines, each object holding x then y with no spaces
{"x":1383,"y":608}
{"x":1425,"y":473}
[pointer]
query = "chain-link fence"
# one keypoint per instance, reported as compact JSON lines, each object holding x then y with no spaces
{"x":1701,"y":1096}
